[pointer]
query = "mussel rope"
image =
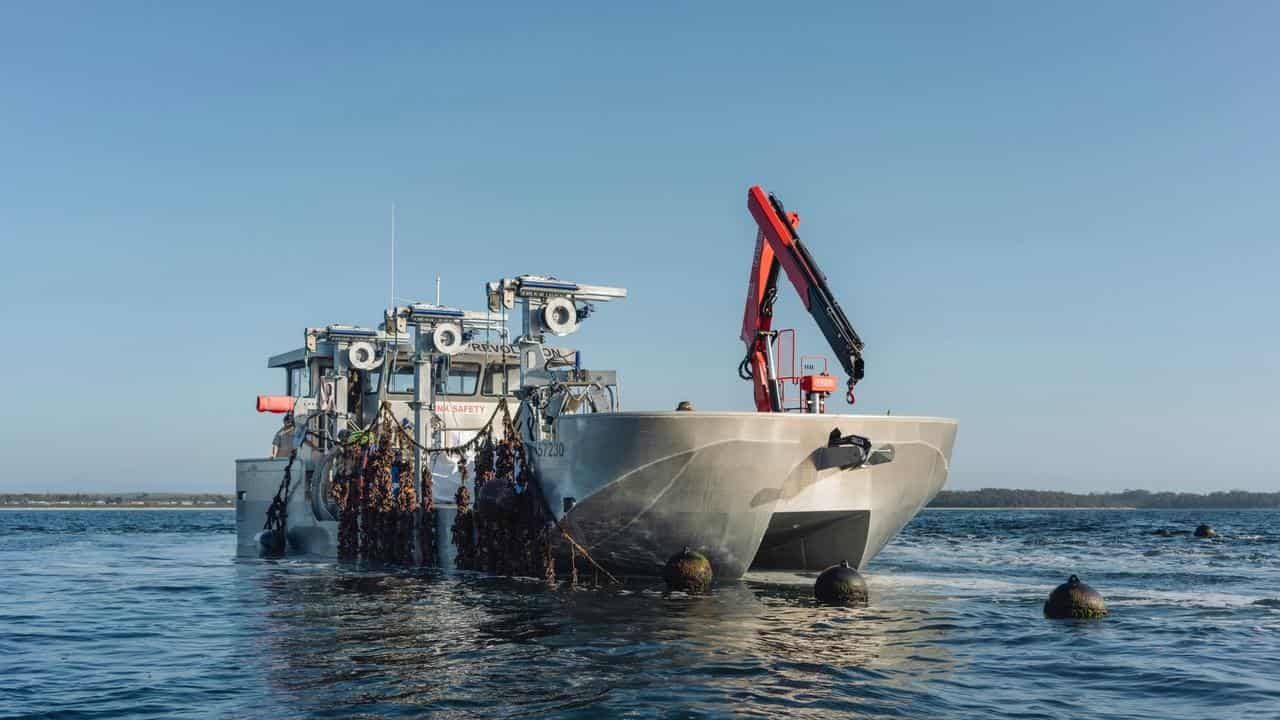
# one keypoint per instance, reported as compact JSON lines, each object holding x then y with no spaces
{"x":348,"y":493}
{"x":559,"y":523}
{"x":460,"y":450}
{"x":426,"y":525}
{"x":407,"y":505}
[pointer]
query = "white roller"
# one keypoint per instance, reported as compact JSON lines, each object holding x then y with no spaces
{"x":362,"y":355}
{"x":560,"y":316}
{"x":447,"y":338}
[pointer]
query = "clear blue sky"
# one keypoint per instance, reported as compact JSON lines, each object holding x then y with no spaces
{"x":1055,"y":223}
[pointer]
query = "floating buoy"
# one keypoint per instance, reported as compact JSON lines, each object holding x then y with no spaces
{"x":270,"y":543}
{"x":1204,"y":531}
{"x":689,"y":571}
{"x":840,"y":585}
{"x":1074,"y":599}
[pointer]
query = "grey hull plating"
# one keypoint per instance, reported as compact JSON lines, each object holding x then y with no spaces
{"x":642,"y":485}
{"x":876,"y":500}
{"x":739,"y":487}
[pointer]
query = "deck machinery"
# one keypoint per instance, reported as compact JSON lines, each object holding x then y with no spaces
{"x":780,"y":490}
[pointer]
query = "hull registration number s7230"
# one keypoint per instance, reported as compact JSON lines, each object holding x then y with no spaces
{"x":547,"y":448}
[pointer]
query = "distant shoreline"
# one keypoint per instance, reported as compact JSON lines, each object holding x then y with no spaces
{"x":1027,"y":499}
{"x":1101,"y":507}
{"x":1038,"y":507}
{"x":117,"y":501}
{"x":109,"y":508}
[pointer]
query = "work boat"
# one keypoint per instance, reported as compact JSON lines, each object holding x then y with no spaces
{"x":787,"y":487}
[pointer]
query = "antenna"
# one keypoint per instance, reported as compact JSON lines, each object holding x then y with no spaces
{"x":437,"y":290}
{"x":393,"y":257}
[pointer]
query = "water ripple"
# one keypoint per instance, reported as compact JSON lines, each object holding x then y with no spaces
{"x":146,"y":614}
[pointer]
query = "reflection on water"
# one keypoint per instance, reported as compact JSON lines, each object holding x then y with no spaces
{"x":128,"y":614}
{"x":344,"y":639}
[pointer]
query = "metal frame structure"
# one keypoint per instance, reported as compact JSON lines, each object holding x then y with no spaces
{"x":778,"y":247}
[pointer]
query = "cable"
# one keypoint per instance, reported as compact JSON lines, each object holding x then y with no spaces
{"x":744,"y":367}
{"x":766,"y":302}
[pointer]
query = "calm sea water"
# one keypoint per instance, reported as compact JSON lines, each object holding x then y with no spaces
{"x":146,"y":614}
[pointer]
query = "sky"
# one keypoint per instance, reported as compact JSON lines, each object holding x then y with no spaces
{"x":1056,"y":223}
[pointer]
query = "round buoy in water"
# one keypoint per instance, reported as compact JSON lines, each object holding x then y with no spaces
{"x":689,"y":571}
{"x":270,"y":544}
{"x":1074,"y":599}
{"x":1205,"y":531}
{"x":840,"y":585}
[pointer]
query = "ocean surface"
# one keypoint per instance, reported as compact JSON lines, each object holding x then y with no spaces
{"x":120,"y":614}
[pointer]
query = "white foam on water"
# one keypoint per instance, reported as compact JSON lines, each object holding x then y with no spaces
{"x":964,"y":584}
{"x":1145,"y":596}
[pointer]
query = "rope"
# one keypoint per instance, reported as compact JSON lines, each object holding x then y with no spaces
{"x":583,"y":551}
{"x":457,"y":449}
{"x":575,"y":547}
{"x":278,"y":511}
{"x":348,"y":492}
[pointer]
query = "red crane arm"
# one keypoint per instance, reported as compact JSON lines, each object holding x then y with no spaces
{"x":778,"y":246}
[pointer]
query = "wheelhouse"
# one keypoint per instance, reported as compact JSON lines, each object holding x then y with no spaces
{"x":468,"y":384}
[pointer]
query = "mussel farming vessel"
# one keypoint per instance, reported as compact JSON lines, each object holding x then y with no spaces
{"x":437,"y":439}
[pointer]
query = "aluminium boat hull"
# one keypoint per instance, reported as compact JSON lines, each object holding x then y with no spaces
{"x":643,"y":485}
{"x":635,"y":487}
{"x":831,"y":515}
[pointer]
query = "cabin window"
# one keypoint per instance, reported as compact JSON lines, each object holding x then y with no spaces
{"x":298,"y":381}
{"x":401,"y":381}
{"x":493,"y":379}
{"x":462,"y":379}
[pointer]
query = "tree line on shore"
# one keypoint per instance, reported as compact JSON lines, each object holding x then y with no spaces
{"x":1142,"y":499}
{"x":99,"y":499}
